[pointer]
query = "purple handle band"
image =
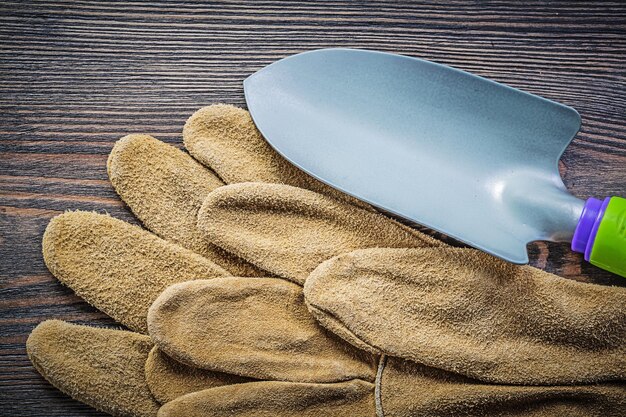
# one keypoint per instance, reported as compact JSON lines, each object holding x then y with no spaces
{"x":587,"y":228}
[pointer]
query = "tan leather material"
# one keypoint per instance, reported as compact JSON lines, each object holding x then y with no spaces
{"x":169,"y":379}
{"x":165,"y":187}
{"x":464,"y":311}
{"x":277,"y":399}
{"x":289,"y":231}
{"x":117,"y":267}
{"x":103,"y":368}
{"x":254,"y":327}
{"x":408,"y":389}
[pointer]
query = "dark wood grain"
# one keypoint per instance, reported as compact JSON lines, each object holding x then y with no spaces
{"x":77,"y":75}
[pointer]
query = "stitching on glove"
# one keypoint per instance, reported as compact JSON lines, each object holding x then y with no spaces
{"x":377,"y":386}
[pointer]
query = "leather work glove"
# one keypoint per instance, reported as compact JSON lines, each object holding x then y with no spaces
{"x":144,"y":176}
{"x":120,"y":268}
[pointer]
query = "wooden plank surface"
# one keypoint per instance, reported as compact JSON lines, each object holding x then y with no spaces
{"x":77,"y":75}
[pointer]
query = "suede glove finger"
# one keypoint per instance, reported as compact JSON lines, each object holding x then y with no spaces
{"x":117,"y":267}
{"x":465,"y":311}
{"x":102,"y":368}
{"x":288,"y":231}
{"x":277,"y":399}
{"x":115,"y":371}
{"x":225,"y":139}
{"x":169,"y":379}
{"x":258,"y":328}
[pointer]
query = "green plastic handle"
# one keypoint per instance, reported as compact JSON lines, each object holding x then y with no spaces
{"x":609,"y":246}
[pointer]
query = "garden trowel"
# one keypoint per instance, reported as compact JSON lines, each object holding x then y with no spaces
{"x":469,"y":157}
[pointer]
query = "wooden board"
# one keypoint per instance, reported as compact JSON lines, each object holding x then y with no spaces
{"x":77,"y":75}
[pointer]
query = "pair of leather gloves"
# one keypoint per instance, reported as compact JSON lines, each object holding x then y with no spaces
{"x":259,"y":291}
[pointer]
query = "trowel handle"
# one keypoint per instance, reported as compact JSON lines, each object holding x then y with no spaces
{"x":601,"y":234}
